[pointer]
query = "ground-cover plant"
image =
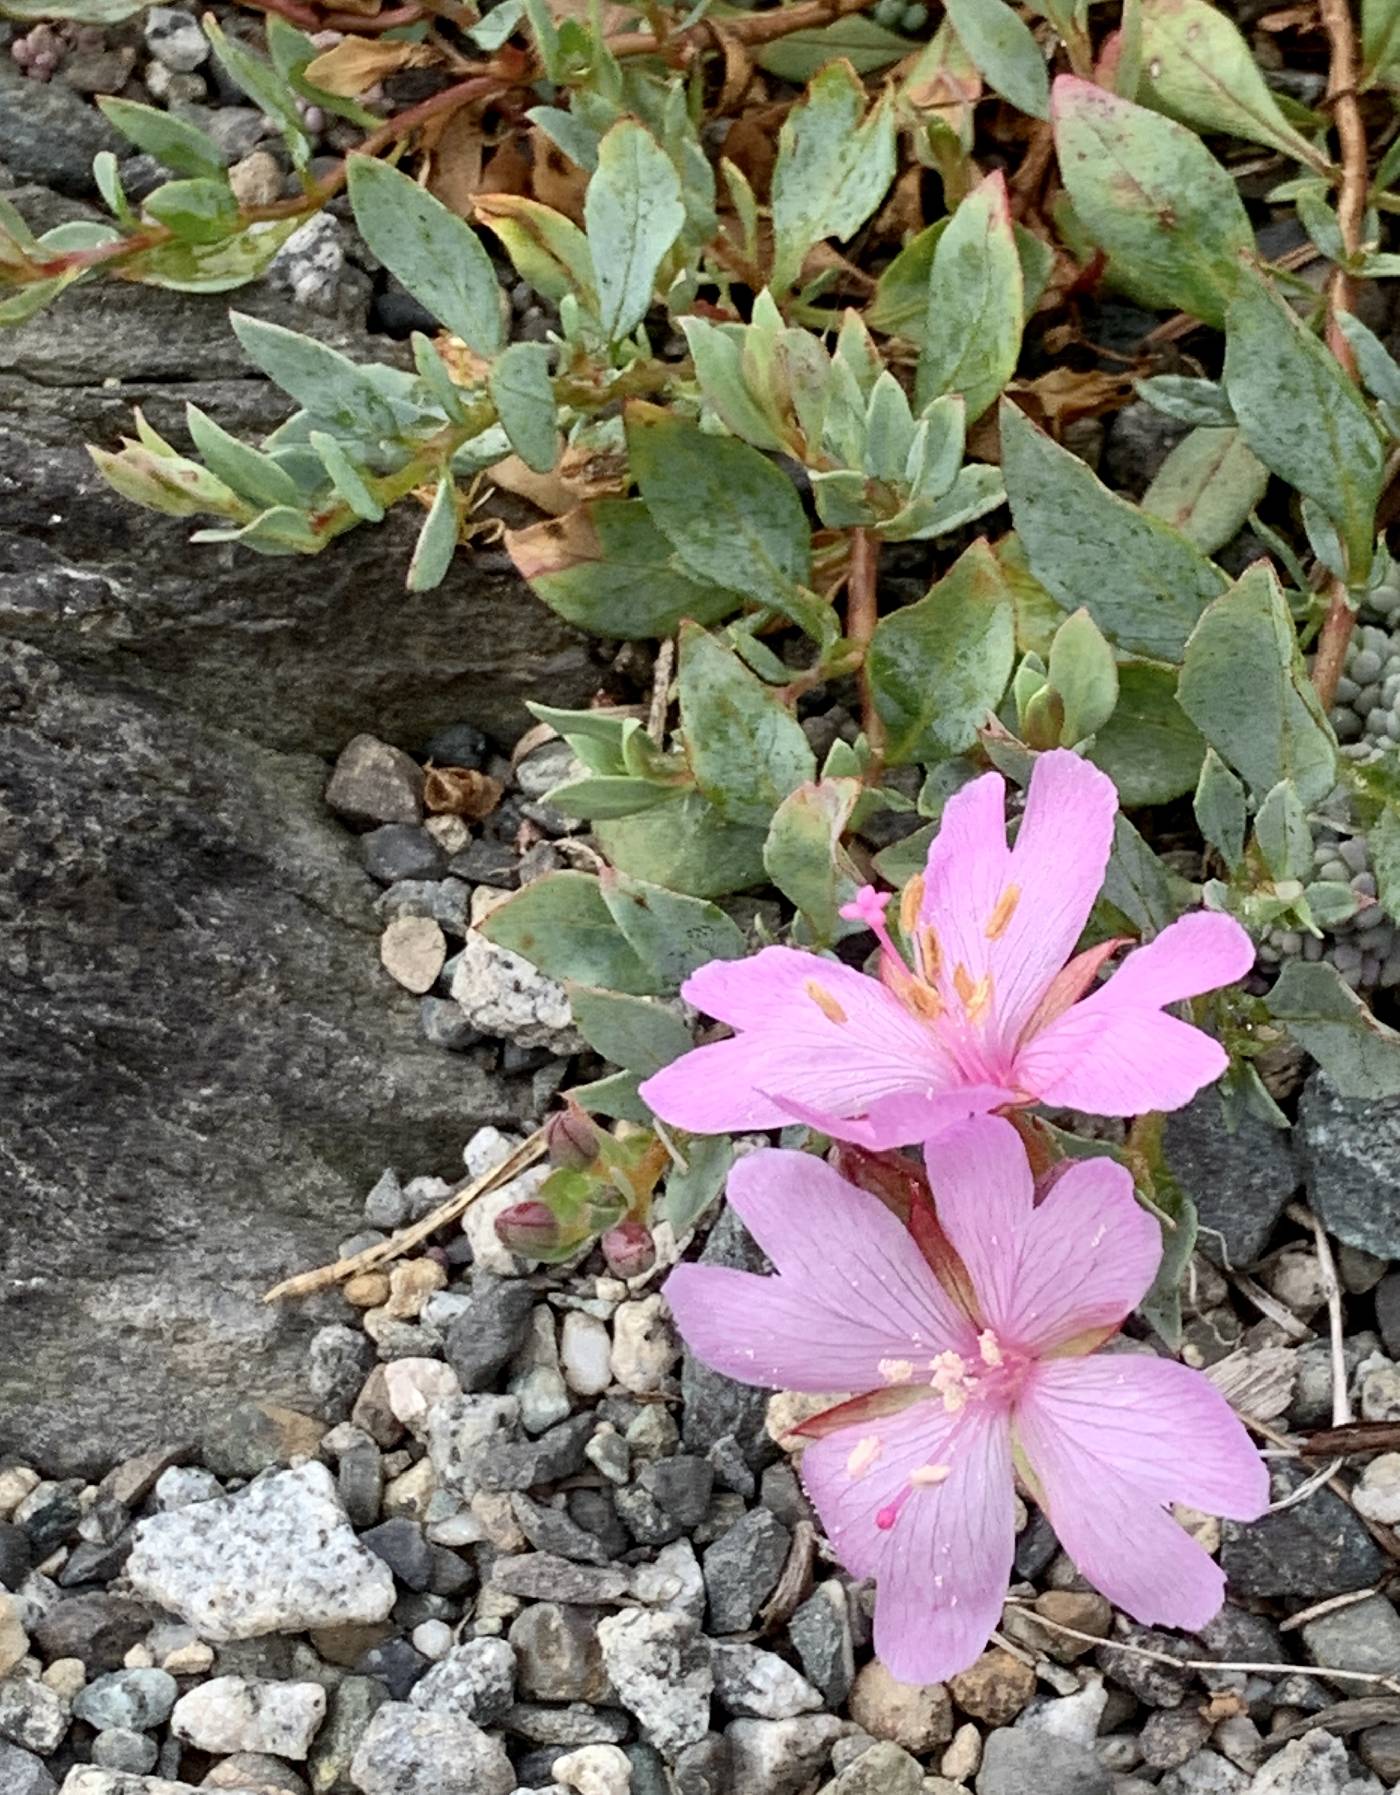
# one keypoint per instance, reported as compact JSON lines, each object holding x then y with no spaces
{"x":748,"y":443}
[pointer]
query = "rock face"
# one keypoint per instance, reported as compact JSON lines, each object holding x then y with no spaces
{"x":1351,"y":1152}
{"x":204,"y":1072}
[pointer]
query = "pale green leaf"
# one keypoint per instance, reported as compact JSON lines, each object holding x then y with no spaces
{"x":173,"y":141}
{"x":1207,"y":487}
{"x":437,"y":540}
{"x":523,"y":394}
{"x":803,"y":852}
{"x":631,"y":1032}
{"x":834,"y":167}
{"x":560,"y":924}
{"x":633,"y":213}
{"x":1004,"y":49}
{"x":744,"y":745}
{"x":972,"y":331}
{"x":1359,"y":1054}
{"x":671,"y":932}
{"x":1149,"y":747}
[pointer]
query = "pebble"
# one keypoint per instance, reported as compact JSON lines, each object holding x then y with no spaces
{"x":542,"y":1576}
{"x":1207,"y":1773}
{"x":917,"y":1716}
{"x":413,"y":1388}
{"x":882,"y":1769}
{"x":672,"y":1580}
{"x":32,"y":1715}
{"x":1015,"y":1762}
{"x":644,"y":1346}
{"x":231,"y":1714}
{"x":1379,"y":1750}
{"x":502,"y":994}
{"x":1318,"y":1545}
{"x":742,"y":1567}
{"x":475,"y":1681}
{"x":1077,"y":1717}
{"x":413,"y":951}
{"x":490,"y":1330}
{"x":16,"y":1483}
{"x":1364,"y":1637}
{"x":761,"y":1685}
{"x":22,"y":1773}
{"x":585,"y":1350}
{"x":1316,"y":1764}
{"x":119,"y":1749}
{"x":14,"y":1640}
{"x":489,"y":1252}
{"x":278,"y":1556}
{"x":311,"y":266}
{"x":595,"y":1770}
{"x":372,"y":781}
{"x":1351,"y":1155}
{"x":412,"y":1751}
{"x":1171,"y":1736}
{"x":660,"y":1666}
{"x":1380,"y":1393}
{"x":558,"y":1655}
{"x":995,"y":1688}
{"x":821,"y":1632}
{"x":133,"y":1699}
{"x":443,"y":901}
{"x":433,"y":1638}
{"x":777,"y":1757}
{"x":964,"y":1754}
{"x":174,"y":38}
{"x":257,"y":180}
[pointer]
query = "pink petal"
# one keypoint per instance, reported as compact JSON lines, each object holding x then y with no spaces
{"x":1045,"y":886}
{"x":853,"y":1288}
{"x":1111,"y":1440}
{"x":1075,"y":1264}
{"x":941,"y":1569}
{"x":817,"y":1040}
{"x":1196,"y":953}
{"x":1118,"y":1060}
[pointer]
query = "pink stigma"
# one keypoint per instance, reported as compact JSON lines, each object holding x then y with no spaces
{"x":887,"y":1516}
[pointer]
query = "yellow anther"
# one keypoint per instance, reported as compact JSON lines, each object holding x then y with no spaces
{"x":975,"y":995}
{"x":863,"y":1455}
{"x":954,"y":1399}
{"x":1002,"y":914}
{"x":824,"y":1001}
{"x":923,"y":1000}
{"x":911,"y":902}
{"x":896,"y":1371}
{"x":929,"y":951}
{"x":923,"y":1476}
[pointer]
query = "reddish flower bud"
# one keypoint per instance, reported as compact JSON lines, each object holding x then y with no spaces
{"x":572,"y":1139}
{"x":629,"y":1249}
{"x":530,"y":1229}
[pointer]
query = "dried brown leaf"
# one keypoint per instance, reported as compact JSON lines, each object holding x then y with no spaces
{"x":460,"y":791}
{"x":357,"y":63}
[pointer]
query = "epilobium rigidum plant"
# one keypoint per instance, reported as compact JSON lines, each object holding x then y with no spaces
{"x":819,"y":341}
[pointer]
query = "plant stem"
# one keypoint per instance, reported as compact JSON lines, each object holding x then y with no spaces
{"x":1341,"y":296}
{"x":862,"y":614}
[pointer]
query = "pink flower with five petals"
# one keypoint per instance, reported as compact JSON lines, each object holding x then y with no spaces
{"x":988,"y":1015}
{"x":913,"y":1480}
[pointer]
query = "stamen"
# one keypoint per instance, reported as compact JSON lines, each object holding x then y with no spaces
{"x":924,"y":1476}
{"x":824,"y":1001}
{"x":949,"y":1380}
{"x":863,"y":1455}
{"x":930,"y":952}
{"x":896,"y":1371}
{"x":990,"y":1348}
{"x":975,"y":997}
{"x":1001,"y":916}
{"x":954,"y":1399}
{"x":911,"y":902}
{"x":923,"y":1000}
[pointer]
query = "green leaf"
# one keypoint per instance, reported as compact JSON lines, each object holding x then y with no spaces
{"x":857,"y":40}
{"x":165,"y":482}
{"x":1383,"y":840}
{"x":1149,"y":193}
{"x":1196,"y":67}
{"x":217,"y":267}
{"x":438,"y":257}
{"x":1144,"y":584}
{"x":685,"y":846}
{"x":1004,"y":48}
{"x":325,"y":383}
{"x":608,"y":795}
{"x":200,"y":210}
{"x":1161,"y":1307}
{"x":803,"y":852}
{"x":607,"y":568}
{"x":1280,"y":732}
{"x":1376,"y":365}
{"x":689,"y":1193}
{"x":83,"y":12}
{"x":1149,"y":747}
{"x":1360,"y":1055}
{"x":1282,"y":832}
{"x":1207,"y":487}
{"x":292,"y":53}
{"x":1303,"y":418}
{"x":1380,"y":36}
{"x":347,"y":479}
{"x":978,"y":489}
{"x":972,"y":333}
{"x":631,"y":1032}
{"x":1084,"y":676}
{"x":614,"y":1096}
{"x":1135,"y":883}
{"x":561,"y":924}
{"x":939,"y":666}
{"x":1197,"y":402}
{"x":718,"y":354}
{"x":1221,"y":811}
{"x":733,"y":518}
{"x":834,"y":167}
{"x":745,"y":747}
{"x":437,"y":540}
{"x":633,"y":213}
{"x":523,"y":394}
{"x":246,"y":470}
{"x":548,"y":250}
{"x":172,"y":141}
{"x":262,"y":84}
{"x":670,"y":932}
{"x":490,"y":32}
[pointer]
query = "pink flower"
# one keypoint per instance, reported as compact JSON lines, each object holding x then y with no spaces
{"x":989,"y":1014}
{"x":914,"y":1480}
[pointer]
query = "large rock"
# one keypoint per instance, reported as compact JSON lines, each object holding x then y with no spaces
{"x":1351,"y":1157}
{"x":206,"y":1069}
{"x":1239,"y":1169}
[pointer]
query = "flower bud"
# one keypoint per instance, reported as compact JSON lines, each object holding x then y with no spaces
{"x":629,"y":1249}
{"x":572,"y":1140}
{"x":529,"y":1229}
